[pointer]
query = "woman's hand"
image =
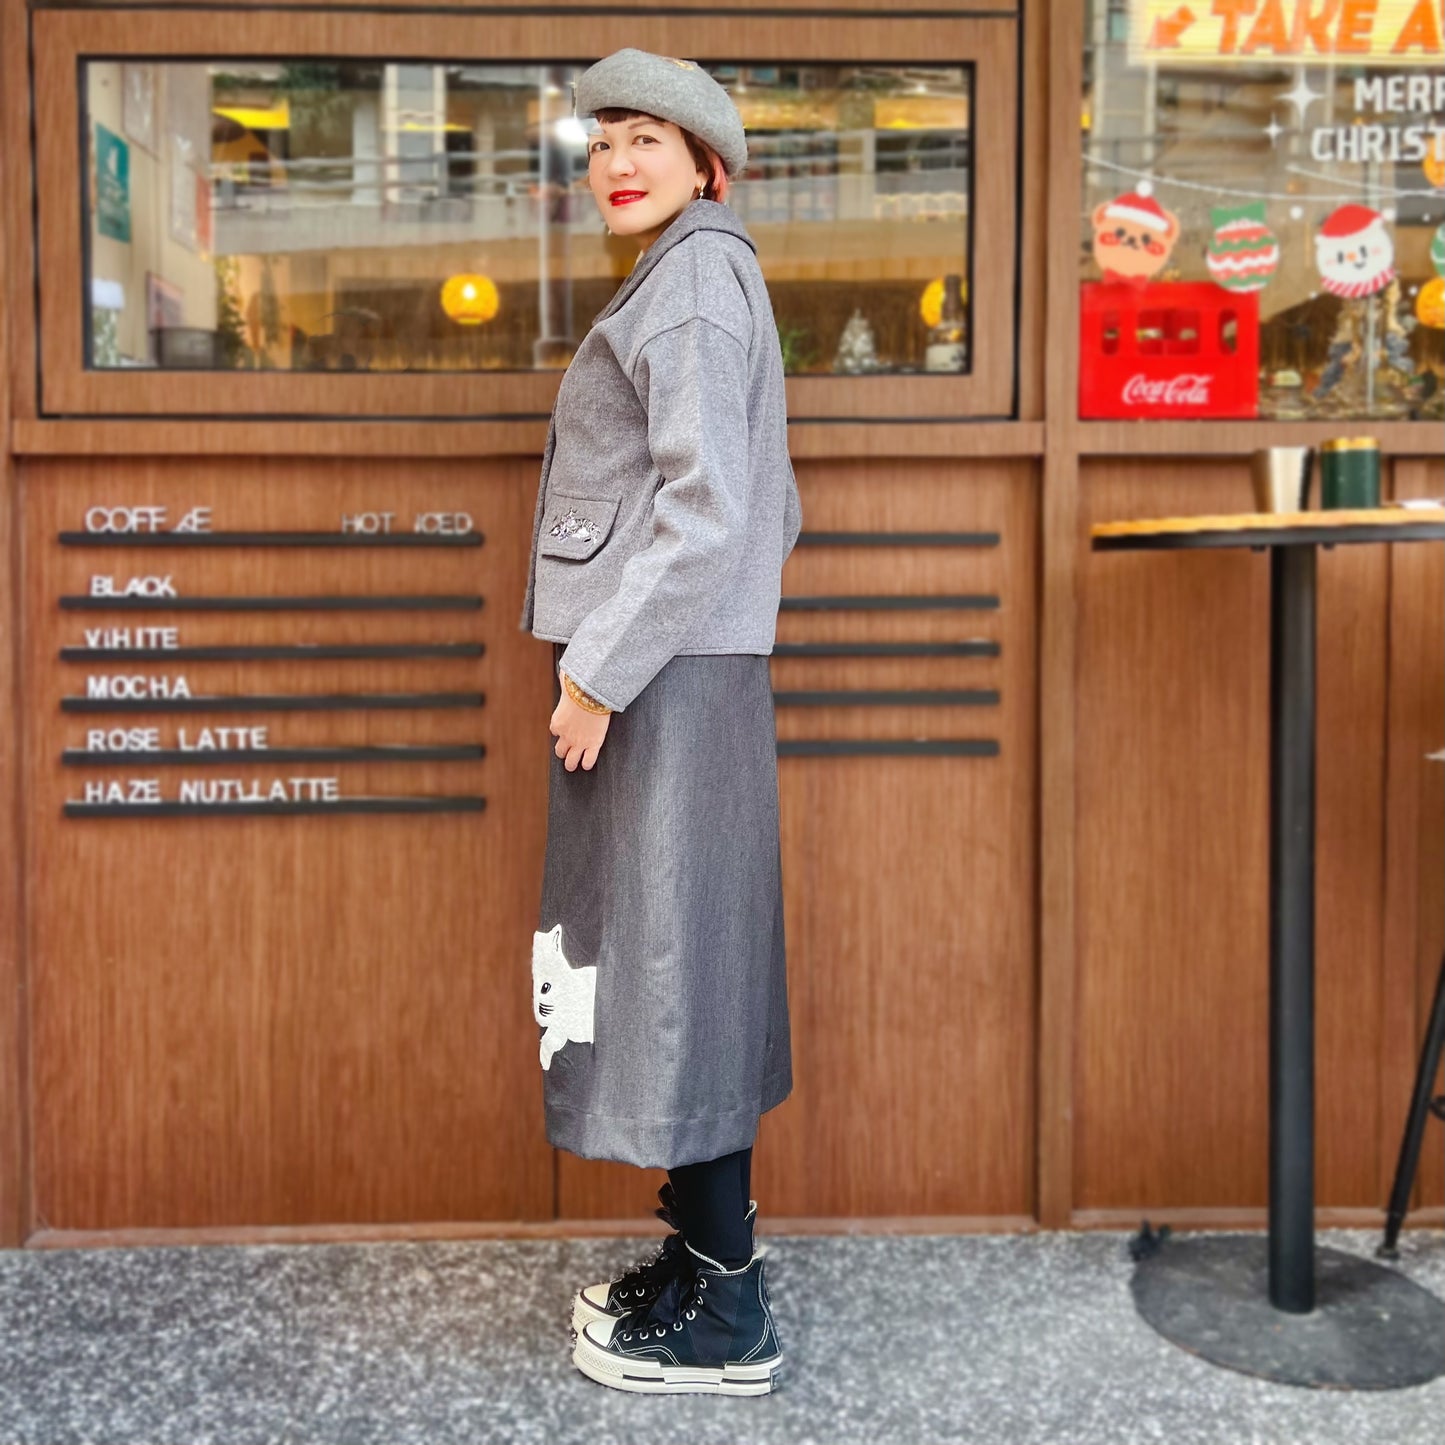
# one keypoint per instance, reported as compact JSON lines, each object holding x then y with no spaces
{"x":579,"y":733}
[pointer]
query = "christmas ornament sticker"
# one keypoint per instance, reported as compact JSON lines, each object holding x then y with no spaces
{"x":1437,"y":250}
{"x":1243,"y":253}
{"x":1133,"y":238}
{"x":1354,"y":252}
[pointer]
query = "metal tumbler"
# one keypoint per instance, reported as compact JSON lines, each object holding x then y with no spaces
{"x":1350,"y":473}
{"x":1281,"y":478}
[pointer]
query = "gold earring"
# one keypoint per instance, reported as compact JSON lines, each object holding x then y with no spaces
{"x":697,"y":194}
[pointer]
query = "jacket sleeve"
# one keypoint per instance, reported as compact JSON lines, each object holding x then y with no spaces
{"x":693,"y":381}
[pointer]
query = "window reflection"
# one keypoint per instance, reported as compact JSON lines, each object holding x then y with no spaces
{"x":360,"y":215}
{"x":1290,"y":193}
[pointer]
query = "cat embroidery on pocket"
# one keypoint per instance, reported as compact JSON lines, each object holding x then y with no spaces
{"x":563,"y":997}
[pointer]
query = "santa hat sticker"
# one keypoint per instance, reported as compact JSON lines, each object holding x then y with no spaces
{"x":1142,"y":210}
{"x":1354,"y":252}
{"x":1349,"y":221}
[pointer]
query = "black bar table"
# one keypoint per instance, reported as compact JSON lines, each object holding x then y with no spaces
{"x":1281,"y":1308}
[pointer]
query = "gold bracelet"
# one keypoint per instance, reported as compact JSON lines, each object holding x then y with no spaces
{"x":583,"y":700}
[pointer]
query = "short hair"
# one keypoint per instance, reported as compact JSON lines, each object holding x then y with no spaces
{"x":703,"y":155}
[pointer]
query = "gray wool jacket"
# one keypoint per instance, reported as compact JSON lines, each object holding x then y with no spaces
{"x":667,"y":502}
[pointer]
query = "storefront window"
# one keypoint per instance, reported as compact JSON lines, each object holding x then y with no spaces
{"x":359,"y":215}
{"x":1263,"y":220}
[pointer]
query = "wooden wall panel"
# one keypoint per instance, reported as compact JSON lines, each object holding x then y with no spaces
{"x":1415,"y":857}
{"x":909,"y":882}
{"x":258,"y":1022}
{"x":1173,"y":858}
{"x":16,"y":214}
{"x":1058,"y":81}
{"x":14,"y":1170}
{"x":741,"y":7}
{"x":286,"y":1020}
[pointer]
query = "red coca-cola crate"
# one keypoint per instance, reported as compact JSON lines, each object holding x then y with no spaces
{"x":1170,"y":349}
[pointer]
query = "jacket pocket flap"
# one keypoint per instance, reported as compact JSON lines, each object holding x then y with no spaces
{"x":576,"y":526}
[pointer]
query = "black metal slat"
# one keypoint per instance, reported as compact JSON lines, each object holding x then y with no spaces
{"x":300,"y":651}
{"x":83,"y":757}
{"x":899,"y":539}
{"x":422,"y":602}
{"x":901,"y":697}
{"x":270,"y":539}
{"x":294,"y":702}
{"x":902,"y":602}
{"x":457,"y":804}
{"x":889,"y":747}
{"x":977,"y":648}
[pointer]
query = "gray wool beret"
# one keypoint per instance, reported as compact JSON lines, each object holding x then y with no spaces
{"x":677,"y":90}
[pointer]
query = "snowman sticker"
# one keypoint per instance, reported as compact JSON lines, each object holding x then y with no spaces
{"x":1354,"y":253}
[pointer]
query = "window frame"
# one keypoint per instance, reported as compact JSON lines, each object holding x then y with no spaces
{"x":65,"y":40}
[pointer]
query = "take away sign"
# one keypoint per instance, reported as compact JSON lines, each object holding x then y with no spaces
{"x":1302,"y":32}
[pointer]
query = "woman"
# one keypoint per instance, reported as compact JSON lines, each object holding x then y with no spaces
{"x":666,"y":508}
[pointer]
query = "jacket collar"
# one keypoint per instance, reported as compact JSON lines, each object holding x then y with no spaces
{"x":698,"y":215}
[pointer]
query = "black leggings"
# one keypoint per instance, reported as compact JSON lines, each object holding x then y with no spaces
{"x":712,"y":1202}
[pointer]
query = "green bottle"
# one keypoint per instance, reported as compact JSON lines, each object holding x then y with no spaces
{"x":1350,"y":473}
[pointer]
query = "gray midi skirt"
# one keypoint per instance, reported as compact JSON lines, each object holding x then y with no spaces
{"x":658,"y":974}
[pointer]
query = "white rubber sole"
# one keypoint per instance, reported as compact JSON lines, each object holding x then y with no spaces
{"x":651,"y":1377}
{"x":584,"y":1314}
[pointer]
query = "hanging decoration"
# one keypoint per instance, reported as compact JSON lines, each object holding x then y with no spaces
{"x":1354,"y":252}
{"x":1243,"y":253}
{"x":1146,"y":179}
{"x":1437,"y":250}
{"x":469,"y":300}
{"x":930,"y":304}
{"x":1133,"y":238}
{"x":1430,"y":304}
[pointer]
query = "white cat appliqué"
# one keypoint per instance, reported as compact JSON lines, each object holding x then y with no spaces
{"x":563,"y":997}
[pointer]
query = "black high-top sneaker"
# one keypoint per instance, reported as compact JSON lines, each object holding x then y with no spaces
{"x":639,"y":1289}
{"x":719,"y":1340}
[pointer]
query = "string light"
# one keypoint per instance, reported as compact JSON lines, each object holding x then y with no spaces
{"x":1150,"y":179}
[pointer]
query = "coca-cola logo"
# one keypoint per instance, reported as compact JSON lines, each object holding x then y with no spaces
{"x":1191,"y":389}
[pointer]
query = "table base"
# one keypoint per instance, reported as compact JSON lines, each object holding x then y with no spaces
{"x":1371,"y":1328}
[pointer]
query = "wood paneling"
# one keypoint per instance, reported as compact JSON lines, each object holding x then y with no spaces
{"x":896,"y":1224}
{"x":61,"y":37}
{"x":1173,"y":859}
{"x":1238,"y":438}
{"x":1058,"y":624}
{"x":938,"y":7}
{"x":1036,"y":128}
{"x":305,"y":1019}
{"x":473,"y":439}
{"x":909,"y":882}
{"x":16,"y":257}
{"x":1030,"y":985}
{"x":14,"y":1167}
{"x":360,"y":437}
{"x":1414,"y":933}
